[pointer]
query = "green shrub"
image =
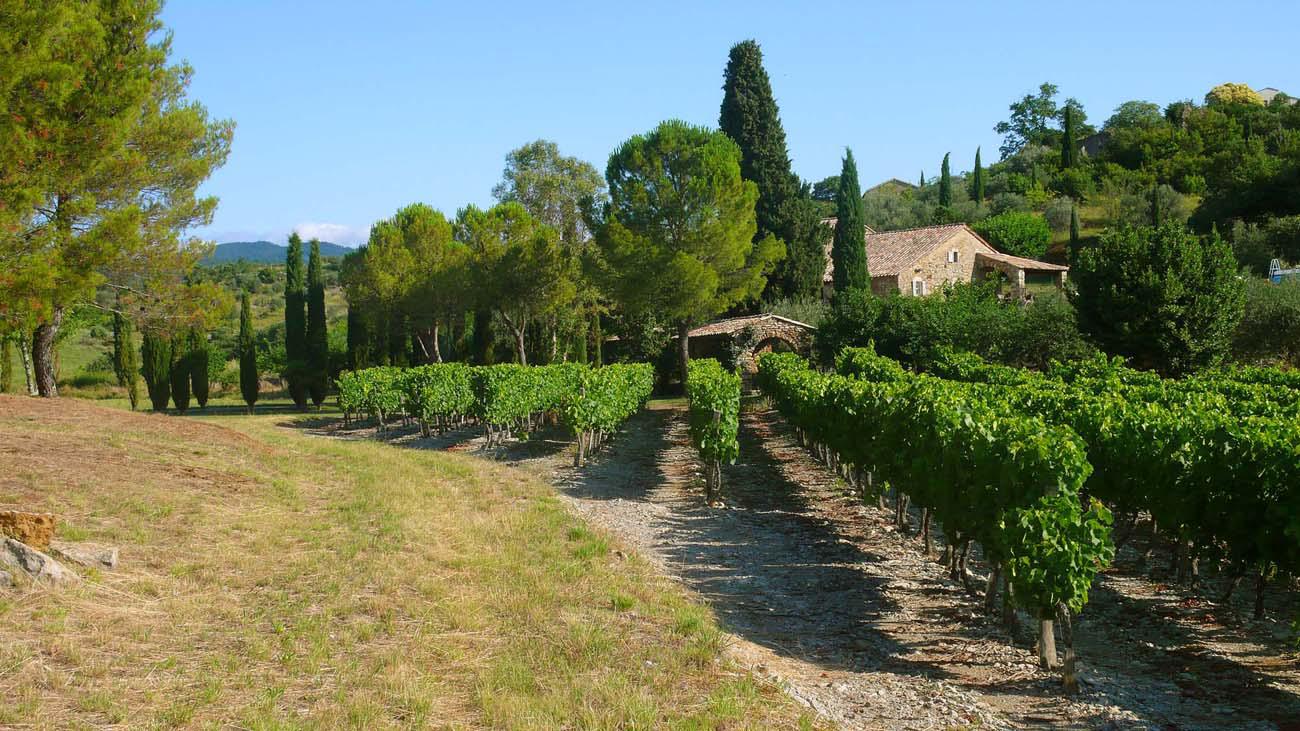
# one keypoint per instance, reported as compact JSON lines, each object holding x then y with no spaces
{"x":1020,"y":234}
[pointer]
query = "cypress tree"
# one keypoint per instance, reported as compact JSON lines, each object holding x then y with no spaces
{"x":125,"y":364}
{"x":318,"y":349}
{"x":849,"y":247}
{"x":1069,"y":150}
{"x":751,"y":118}
{"x":199,"y":366}
{"x":156,"y":366}
{"x":248,"y":382}
{"x":945,"y":184}
{"x":181,"y":366}
{"x":978,"y":192}
{"x":1074,"y":227}
{"x":922,"y":185}
{"x":295,"y":323}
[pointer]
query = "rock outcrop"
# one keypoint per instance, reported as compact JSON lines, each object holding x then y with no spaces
{"x":90,"y":555}
{"x":33,"y":529}
{"x":39,"y":566}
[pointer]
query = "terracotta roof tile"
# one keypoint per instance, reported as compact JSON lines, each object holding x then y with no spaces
{"x":889,"y":253}
{"x":736,"y":324}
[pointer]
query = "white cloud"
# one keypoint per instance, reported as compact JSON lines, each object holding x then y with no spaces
{"x":335,"y":233}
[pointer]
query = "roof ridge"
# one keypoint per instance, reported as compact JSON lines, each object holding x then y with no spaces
{"x":921,"y":228}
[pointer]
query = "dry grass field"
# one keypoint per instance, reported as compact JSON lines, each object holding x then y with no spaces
{"x":274,"y":580}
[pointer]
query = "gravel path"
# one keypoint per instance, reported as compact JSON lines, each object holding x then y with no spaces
{"x":823,"y":596}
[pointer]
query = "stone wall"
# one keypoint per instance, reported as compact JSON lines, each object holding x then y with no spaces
{"x":935,"y":270}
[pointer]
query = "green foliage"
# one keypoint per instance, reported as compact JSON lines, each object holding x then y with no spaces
{"x":317,"y":338}
{"x":297,"y":368}
{"x":155,"y":366}
{"x":249,"y":383}
{"x":199,"y":366}
{"x":1270,"y":326}
{"x":1021,"y":234}
{"x":677,"y":238}
{"x":977,"y":180}
{"x":959,"y":317}
{"x":1230,"y":93}
{"x":103,"y":156}
{"x":1059,"y":549}
{"x":1164,"y":297}
{"x":713,"y":393}
{"x":849,"y":247}
{"x":182,"y":366}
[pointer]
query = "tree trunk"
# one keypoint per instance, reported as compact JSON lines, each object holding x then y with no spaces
{"x":437,"y":351}
{"x":1068,"y":678}
{"x":1008,"y":604}
{"x":684,"y":348}
{"x":1046,"y":644}
{"x":991,"y":589}
{"x":43,"y":354}
{"x":25,"y":351}
{"x":1260,"y":581}
{"x":925,"y":530}
{"x":519,"y":344}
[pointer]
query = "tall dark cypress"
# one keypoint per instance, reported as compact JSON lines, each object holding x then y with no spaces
{"x":295,"y":323}
{"x":156,"y":367}
{"x":1069,"y":149}
{"x":356,"y":338}
{"x":198,"y":348}
{"x":922,"y":184}
{"x":945,"y":184}
{"x":750,"y":116}
{"x":977,"y":191}
{"x":248,"y":380}
{"x":181,"y":366}
{"x":318,"y":349}
{"x":125,"y":364}
{"x":849,"y":247}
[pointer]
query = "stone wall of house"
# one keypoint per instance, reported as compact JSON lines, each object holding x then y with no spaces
{"x":935,"y":270}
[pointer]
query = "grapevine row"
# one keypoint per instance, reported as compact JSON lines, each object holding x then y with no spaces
{"x":713,"y":393}
{"x":1011,"y":483}
{"x":506,"y":399}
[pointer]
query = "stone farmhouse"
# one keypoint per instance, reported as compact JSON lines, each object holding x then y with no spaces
{"x":919,"y":261}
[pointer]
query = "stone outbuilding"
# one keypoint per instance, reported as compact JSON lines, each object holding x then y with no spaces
{"x":919,"y":261}
{"x":740,"y":340}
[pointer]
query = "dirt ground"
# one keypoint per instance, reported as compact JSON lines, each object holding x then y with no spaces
{"x":823,"y":595}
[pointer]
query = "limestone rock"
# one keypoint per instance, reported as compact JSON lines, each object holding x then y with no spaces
{"x":33,"y":529}
{"x":6,"y":580}
{"x":86,"y":554}
{"x":36,"y":564}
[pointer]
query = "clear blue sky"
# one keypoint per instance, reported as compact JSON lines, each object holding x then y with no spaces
{"x":348,"y":110}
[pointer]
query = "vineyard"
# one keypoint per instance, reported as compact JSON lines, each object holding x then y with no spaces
{"x":507,"y":400}
{"x":1032,"y":466}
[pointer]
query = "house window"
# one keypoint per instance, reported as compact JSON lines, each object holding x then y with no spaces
{"x":918,"y":287}
{"x":952,"y":256}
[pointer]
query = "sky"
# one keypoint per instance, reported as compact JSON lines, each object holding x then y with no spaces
{"x":347,"y":111}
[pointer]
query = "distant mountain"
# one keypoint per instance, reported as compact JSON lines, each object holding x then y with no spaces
{"x":265,"y":252}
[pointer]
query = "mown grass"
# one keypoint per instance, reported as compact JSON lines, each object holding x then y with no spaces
{"x":274,"y":580}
